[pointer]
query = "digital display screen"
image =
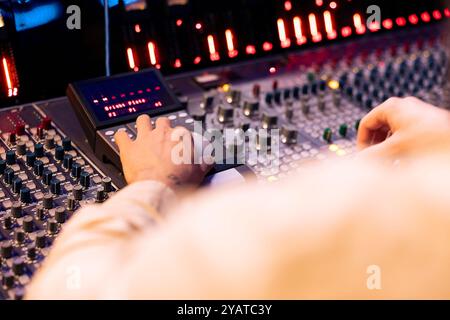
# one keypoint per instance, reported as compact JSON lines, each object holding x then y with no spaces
{"x":126,"y":95}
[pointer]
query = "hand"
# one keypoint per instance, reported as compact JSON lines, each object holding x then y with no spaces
{"x":402,"y":127}
{"x":151,"y":157}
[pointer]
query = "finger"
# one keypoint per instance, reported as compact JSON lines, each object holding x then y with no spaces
{"x":162,"y":123}
{"x":388,"y":150}
{"x":122,"y":140}
{"x":143,"y":124}
{"x":378,"y":118}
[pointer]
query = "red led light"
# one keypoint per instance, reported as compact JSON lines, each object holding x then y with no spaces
{"x":346,"y":32}
{"x":319,"y":3}
{"x":152,"y":53}
{"x":213,"y":54}
{"x":197,"y":60}
{"x":316,"y":35}
{"x":8,"y":77}
{"x":232,"y":52}
{"x":425,"y":16}
{"x":177,"y":63}
{"x":333,"y":5}
{"x":272,"y":70}
{"x":287,"y":5}
{"x":374,"y":26}
{"x":267,"y":46}
{"x":179,"y":23}
{"x":250,"y":49}
{"x":301,"y":39}
{"x":198,"y":26}
{"x":284,"y":40}
{"x":388,"y":24}
{"x":331,"y":34}
{"x":400,"y":21}
{"x":131,"y":61}
{"x":137,"y":28}
{"x":413,"y":19}
{"x":437,"y":15}
{"x":447,"y":12}
{"x":359,"y":25}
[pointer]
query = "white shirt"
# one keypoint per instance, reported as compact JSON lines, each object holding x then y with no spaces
{"x":348,"y":229}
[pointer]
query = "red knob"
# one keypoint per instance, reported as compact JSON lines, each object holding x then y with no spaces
{"x":46,"y":123}
{"x":20,"y":129}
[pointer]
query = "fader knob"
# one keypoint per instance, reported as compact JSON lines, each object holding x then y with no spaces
{"x":78,"y":192}
{"x":250,"y":108}
{"x":59,"y":153}
{"x":47,"y":201}
{"x":49,"y":142}
{"x":31,"y":252}
{"x":21,"y":148}
{"x":16,"y":210}
{"x":269,"y":120}
{"x":38,"y":168}
{"x":107,"y":184}
{"x":41,"y":238}
{"x":2,"y":166}
{"x":289,"y":135}
{"x":39,"y":150}
{"x":60,"y":215}
{"x":8,"y":280}
{"x":52,"y":226}
{"x":225,"y":113}
{"x":8,"y":176}
{"x":30,"y":158}
{"x":6,"y":249}
{"x":67,"y":144}
{"x":25,"y":195}
{"x":18,"y":266}
{"x":10,"y":157}
{"x":67,"y":161}
{"x":16,"y":185}
{"x":55,"y":186}
{"x":28,"y":224}
{"x":76,"y":170}
{"x":47,"y":177}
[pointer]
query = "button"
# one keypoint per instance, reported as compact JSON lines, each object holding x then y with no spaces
{"x":16,"y":210}
{"x":28,"y":224}
{"x":225,"y":113}
{"x":60,"y":215}
{"x":10,"y":157}
{"x":289,"y":135}
{"x":251,"y":108}
{"x":25,"y":195}
{"x":269,"y":120}
{"x":39,"y":150}
{"x":327,"y":135}
{"x":47,"y":201}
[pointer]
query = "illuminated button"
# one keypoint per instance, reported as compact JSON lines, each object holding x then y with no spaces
{"x":189,"y":121}
{"x":289,"y":135}
{"x":225,"y":113}
{"x":109,"y":133}
{"x":172,"y":117}
{"x":250,"y":108}
{"x":269,"y":120}
{"x":182,"y":114}
{"x":333,"y":85}
{"x":333,"y":148}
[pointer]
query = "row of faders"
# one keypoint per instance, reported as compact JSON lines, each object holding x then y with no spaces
{"x":44,"y":179}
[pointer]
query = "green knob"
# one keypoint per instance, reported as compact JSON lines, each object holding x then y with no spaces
{"x":343,"y":129}
{"x":327,"y":135}
{"x":311,"y":76}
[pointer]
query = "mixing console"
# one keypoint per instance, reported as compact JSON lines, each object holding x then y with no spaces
{"x":44,"y":180}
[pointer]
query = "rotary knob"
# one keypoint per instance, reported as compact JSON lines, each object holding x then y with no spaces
{"x":21,"y":148}
{"x":38,"y":168}
{"x":10,"y":157}
{"x":78,"y":192}
{"x":17,"y":185}
{"x":55,"y":186}
{"x":47,"y":201}
{"x":76,"y":170}
{"x":28,"y":224}
{"x":67,"y":161}
{"x":2,"y":166}
{"x":8,"y":280}
{"x":59,"y":153}
{"x":39,"y":150}
{"x":67,"y":144}
{"x":6,"y":249}
{"x":49,"y":142}
{"x":47,"y":177}
{"x":8,"y":176}
{"x":71,"y":203}
{"x":7,"y":222}
{"x":85,"y":179}
{"x":18,"y":266}
{"x":107,"y":184}
{"x":52,"y":226}
{"x":16,"y":210}
{"x":25,"y":195}
{"x":19,"y":236}
{"x":60,"y":215}
{"x":100,"y":195}
{"x":41,"y":239}
{"x":30,"y":158}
